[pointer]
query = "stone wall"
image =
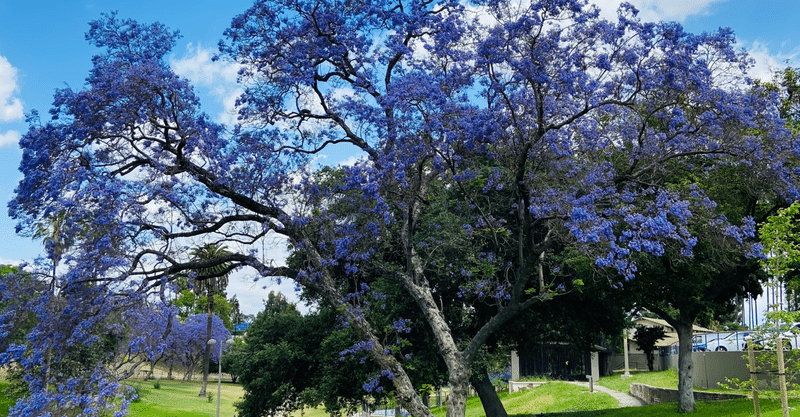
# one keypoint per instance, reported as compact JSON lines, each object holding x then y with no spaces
{"x":514,"y":386}
{"x":654,"y":395}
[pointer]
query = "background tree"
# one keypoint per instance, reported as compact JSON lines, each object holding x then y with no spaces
{"x":188,"y":303}
{"x":570,"y":125}
{"x":291,"y":361}
{"x":234,"y":362}
{"x":210,"y":281}
{"x":646,"y":338}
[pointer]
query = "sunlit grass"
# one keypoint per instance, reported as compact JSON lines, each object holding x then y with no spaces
{"x":731,"y":408}
{"x":662,"y":379}
{"x":546,"y":398}
{"x":179,"y":399}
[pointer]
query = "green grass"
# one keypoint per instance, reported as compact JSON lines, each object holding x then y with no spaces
{"x":732,"y":408}
{"x":4,"y":401}
{"x":547,"y":398}
{"x":662,"y":379}
{"x":179,"y":399}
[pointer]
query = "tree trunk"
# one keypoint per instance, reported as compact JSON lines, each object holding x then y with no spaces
{"x":207,"y":351}
{"x":492,"y":406}
{"x":650,"y":359}
{"x":153,"y":365}
{"x":685,"y":368}
{"x":459,"y":389}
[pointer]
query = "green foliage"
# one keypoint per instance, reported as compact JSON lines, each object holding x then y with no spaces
{"x":235,"y":359}
{"x":778,"y":324}
{"x":189,"y":303}
{"x":786,"y":83}
{"x":780,"y":235}
{"x":210,"y":396}
{"x":16,"y":387}
{"x":157,"y":384}
{"x":291,"y":361}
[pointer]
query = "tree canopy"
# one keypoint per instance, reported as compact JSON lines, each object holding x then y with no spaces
{"x":548,"y":128}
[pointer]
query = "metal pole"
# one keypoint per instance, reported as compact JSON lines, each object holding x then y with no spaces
{"x":219,"y":377}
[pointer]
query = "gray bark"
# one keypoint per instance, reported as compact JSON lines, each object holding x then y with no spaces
{"x":685,"y":368}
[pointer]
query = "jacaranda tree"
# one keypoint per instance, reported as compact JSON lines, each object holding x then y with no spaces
{"x":547,"y":126}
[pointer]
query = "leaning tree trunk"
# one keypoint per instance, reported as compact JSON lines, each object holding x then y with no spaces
{"x":492,"y":406}
{"x":207,"y":351}
{"x":685,"y":368}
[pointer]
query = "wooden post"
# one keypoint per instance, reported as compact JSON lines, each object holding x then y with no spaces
{"x":753,"y":378}
{"x":782,"y":377}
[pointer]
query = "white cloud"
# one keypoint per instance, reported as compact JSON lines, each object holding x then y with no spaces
{"x":6,"y":261}
{"x":657,"y":10}
{"x":9,"y":138}
{"x":218,"y":77}
{"x":351,"y":161}
{"x":10,"y":105}
{"x":251,"y":295}
{"x":767,"y":62}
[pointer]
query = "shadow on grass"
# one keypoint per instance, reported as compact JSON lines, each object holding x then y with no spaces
{"x":730,"y":408}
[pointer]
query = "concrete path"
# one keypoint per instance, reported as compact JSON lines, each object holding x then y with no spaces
{"x":625,"y":399}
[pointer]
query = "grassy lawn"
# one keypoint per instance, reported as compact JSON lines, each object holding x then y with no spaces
{"x":547,"y":398}
{"x":662,"y":379}
{"x":732,"y":408}
{"x":669,"y":379}
{"x":179,"y":399}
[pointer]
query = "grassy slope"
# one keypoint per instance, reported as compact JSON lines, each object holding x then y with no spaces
{"x":179,"y":399}
{"x":550,"y":397}
{"x":663,"y":379}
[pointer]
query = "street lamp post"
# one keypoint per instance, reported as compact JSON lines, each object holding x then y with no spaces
{"x":219,"y":370}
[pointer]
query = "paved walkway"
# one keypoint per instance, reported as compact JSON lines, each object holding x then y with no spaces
{"x":625,"y":399}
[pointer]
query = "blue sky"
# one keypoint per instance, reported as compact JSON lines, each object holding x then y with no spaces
{"x":42,"y":48}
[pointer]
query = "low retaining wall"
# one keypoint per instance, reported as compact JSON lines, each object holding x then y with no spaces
{"x":514,"y":386}
{"x":655,"y":395}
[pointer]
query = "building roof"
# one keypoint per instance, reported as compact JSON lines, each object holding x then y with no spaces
{"x":671,"y":337}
